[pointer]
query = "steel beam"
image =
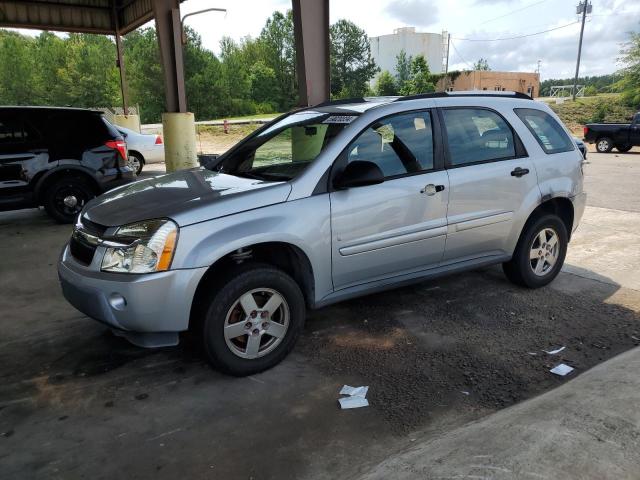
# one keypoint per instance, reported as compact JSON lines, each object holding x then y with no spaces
{"x":169,"y":31}
{"x":311,"y":30}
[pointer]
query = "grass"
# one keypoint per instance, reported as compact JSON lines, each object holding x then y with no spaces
{"x":605,"y":107}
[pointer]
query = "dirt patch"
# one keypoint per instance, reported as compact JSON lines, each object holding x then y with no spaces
{"x":212,"y":139}
{"x":471,"y":343}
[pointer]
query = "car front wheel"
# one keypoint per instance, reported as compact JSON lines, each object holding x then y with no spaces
{"x":253,"y":320}
{"x":604,"y":145}
{"x":540,"y":253}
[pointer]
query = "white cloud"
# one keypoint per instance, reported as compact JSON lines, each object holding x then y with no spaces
{"x":418,"y":13}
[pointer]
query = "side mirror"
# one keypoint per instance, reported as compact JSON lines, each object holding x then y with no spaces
{"x":359,"y":173}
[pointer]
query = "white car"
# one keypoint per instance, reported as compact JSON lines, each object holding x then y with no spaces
{"x":143,"y":148}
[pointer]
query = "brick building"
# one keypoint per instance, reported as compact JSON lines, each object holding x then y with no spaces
{"x":524,"y":82}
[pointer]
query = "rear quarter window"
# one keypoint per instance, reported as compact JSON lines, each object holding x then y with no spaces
{"x":546,"y":130}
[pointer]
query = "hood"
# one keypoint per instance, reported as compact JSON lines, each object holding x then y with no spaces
{"x":187,"y":196}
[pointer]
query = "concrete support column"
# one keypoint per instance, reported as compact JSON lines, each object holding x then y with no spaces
{"x":178,"y":125}
{"x":311,"y":30}
{"x":179,"y":131}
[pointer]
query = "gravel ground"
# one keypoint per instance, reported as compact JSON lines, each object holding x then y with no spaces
{"x":471,"y":343}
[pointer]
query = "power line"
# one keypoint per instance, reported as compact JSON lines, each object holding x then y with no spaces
{"x":517,"y":36}
{"x":460,"y":56}
{"x":512,"y":12}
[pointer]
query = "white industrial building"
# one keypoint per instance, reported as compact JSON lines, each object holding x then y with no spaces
{"x":385,"y":48}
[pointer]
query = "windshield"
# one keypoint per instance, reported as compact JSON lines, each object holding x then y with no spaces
{"x":283,"y":150}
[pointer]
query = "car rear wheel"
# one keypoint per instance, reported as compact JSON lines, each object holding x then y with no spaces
{"x":64,"y":198}
{"x":540,"y":253}
{"x":253,"y":320}
{"x":623,"y":148}
{"x":135,"y":162}
{"x":604,"y":145}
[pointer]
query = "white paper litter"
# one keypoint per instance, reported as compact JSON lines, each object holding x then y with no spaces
{"x":353,"y":402}
{"x":356,"y":397}
{"x":553,"y":352}
{"x":562,"y":369}
{"x":354,"y":391}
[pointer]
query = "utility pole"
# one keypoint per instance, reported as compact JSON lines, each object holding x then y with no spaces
{"x":583,"y":7}
{"x":538,"y":69}
{"x":446,"y":68}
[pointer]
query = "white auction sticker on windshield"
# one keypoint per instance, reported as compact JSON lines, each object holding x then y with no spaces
{"x":340,"y":119}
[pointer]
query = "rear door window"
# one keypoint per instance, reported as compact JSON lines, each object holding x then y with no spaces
{"x":477,"y":135}
{"x":546,"y":130}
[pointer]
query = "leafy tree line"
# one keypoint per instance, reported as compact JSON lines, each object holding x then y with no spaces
{"x":593,"y":84}
{"x":252,"y":76}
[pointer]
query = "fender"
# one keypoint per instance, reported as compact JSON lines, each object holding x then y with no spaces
{"x":203,"y":244}
{"x":61,"y":167}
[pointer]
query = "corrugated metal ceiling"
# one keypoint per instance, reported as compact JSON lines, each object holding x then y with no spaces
{"x":93,"y":16}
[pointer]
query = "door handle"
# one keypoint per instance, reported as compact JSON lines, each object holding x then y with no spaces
{"x":432,"y":189}
{"x":519,"y":172}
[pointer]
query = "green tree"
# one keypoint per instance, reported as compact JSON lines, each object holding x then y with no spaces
{"x":16,"y":69}
{"x":420,"y":79}
{"x":50,"y":82}
{"x":386,"y":84}
{"x":630,"y":83}
{"x":351,"y":64}
{"x":482,"y":64}
{"x":144,"y":73}
{"x":403,"y":67}
{"x":263,"y":84}
{"x":278,"y":53}
{"x":91,"y":74}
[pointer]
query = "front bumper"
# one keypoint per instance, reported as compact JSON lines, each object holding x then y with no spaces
{"x":149,"y":309}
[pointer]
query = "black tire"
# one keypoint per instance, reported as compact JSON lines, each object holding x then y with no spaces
{"x":215,"y":309}
{"x":520,"y":269}
{"x":624,"y":148}
{"x":53,"y":198}
{"x":604,"y":145}
{"x":140,"y":161}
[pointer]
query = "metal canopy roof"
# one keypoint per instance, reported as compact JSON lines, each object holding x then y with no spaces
{"x":91,"y":16}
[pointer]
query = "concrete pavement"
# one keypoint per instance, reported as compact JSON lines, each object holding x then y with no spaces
{"x":588,"y":428}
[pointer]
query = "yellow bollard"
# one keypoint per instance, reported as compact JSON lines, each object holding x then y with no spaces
{"x":179,"y":131}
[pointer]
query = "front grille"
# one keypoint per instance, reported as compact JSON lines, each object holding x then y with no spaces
{"x":82,"y":252}
{"x":80,"y":249}
{"x":93,"y":228}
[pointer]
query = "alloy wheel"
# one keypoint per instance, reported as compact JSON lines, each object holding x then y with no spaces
{"x":544,"y":251}
{"x":256,"y":323}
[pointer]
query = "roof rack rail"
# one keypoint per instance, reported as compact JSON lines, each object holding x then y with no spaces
{"x":480,"y":93}
{"x":342,"y":101}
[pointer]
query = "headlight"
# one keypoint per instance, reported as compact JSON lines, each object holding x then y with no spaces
{"x":150,"y":247}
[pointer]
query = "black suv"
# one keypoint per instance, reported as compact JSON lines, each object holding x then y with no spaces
{"x":59,"y":158}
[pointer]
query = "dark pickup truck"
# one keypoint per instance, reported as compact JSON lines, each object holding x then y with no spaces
{"x":606,"y":136}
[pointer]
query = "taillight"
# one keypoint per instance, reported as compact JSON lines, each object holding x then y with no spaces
{"x":584,"y":131}
{"x":158,"y":140}
{"x":120,"y":146}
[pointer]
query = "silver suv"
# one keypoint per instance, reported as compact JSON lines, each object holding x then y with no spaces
{"x":324,"y":204}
